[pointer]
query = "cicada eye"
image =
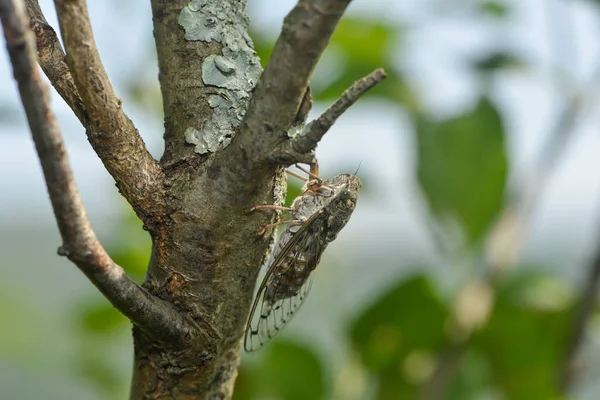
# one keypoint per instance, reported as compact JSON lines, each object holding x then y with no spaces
{"x":345,"y":194}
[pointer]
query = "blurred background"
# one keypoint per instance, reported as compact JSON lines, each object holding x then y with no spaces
{"x":463,"y":271}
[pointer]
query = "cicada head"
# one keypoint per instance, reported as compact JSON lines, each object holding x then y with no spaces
{"x":342,"y":202}
{"x":345,"y":190}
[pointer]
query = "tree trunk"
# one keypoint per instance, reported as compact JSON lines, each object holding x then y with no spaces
{"x":205,"y":255}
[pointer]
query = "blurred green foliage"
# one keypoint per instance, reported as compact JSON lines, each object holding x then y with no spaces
{"x":525,"y":338}
{"x":495,"y":8}
{"x":294,"y":189}
{"x":358,"y":46}
{"x":462,"y":167}
{"x":284,"y":370}
{"x":406,"y":324}
{"x":99,"y":321}
{"x":99,"y":317}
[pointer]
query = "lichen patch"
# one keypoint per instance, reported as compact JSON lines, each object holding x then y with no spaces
{"x":234,"y":72}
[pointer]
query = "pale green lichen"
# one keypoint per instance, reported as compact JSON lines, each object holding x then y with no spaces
{"x":230,"y":73}
{"x":235,"y":72}
{"x":200,"y":22}
{"x":205,"y":140}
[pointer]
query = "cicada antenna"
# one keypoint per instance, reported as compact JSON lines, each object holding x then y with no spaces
{"x":357,"y":168}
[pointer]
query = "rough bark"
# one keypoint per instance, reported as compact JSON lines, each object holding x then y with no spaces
{"x":227,"y":137}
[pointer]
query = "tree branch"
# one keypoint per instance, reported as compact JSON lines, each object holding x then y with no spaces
{"x":112,"y":134}
{"x":280,"y":90}
{"x":157,"y":318}
{"x":51,"y":58}
{"x":584,"y":313}
{"x":436,"y":387}
{"x":300,"y":146}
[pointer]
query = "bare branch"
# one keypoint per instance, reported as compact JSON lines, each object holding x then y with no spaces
{"x":317,"y":128}
{"x":442,"y":377}
{"x":298,"y":148}
{"x":585,"y":311}
{"x":281,"y":88}
{"x":157,"y":318}
{"x":51,"y":58}
{"x":112,"y":134}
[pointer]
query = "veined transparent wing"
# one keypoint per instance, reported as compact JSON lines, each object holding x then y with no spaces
{"x":294,"y":263}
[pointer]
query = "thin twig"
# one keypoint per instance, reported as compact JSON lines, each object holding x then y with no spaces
{"x":506,"y":238}
{"x":156,"y":317}
{"x":279,"y":93}
{"x":585,"y":309}
{"x":443,"y":376}
{"x":471,"y":310}
{"x":51,"y":58}
{"x":114,"y":137}
{"x":584,"y":312}
{"x":300,"y":148}
{"x":315,"y":130}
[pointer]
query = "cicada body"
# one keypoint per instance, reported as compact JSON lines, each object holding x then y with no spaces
{"x":320,"y":213}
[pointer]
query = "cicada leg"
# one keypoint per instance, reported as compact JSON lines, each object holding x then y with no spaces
{"x":314,"y":170}
{"x":313,"y":173}
{"x":270,"y":207}
{"x":314,"y":184}
{"x":290,"y":222}
{"x":295,"y":175}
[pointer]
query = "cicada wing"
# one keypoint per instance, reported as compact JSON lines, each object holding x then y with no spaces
{"x":270,"y":311}
{"x":273,"y":317}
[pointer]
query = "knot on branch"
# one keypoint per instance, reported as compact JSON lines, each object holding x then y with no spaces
{"x":63,"y":251}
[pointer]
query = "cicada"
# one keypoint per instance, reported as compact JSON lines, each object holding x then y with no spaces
{"x":318,"y":215}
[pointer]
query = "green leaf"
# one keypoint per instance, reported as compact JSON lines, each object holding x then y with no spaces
{"x":398,"y":336}
{"x":285,"y":370}
{"x":462,"y":167}
{"x":495,"y":8}
{"x":524,"y":341}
